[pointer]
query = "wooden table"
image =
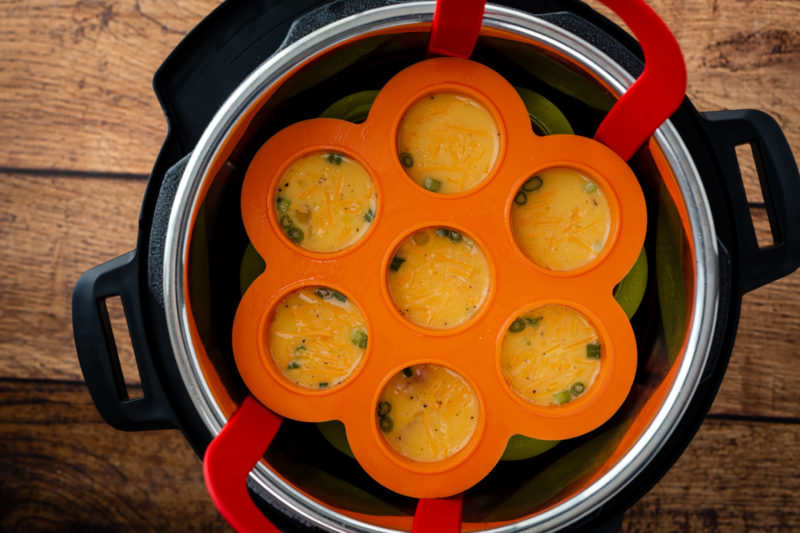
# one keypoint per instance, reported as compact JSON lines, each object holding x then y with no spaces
{"x":79,"y":131}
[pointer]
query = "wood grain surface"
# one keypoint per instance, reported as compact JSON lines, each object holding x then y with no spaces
{"x":79,"y":130}
{"x":52,"y":229}
{"x":76,"y":79}
{"x":64,"y":469}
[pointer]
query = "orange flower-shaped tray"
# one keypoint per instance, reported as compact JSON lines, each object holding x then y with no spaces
{"x":473,"y":348}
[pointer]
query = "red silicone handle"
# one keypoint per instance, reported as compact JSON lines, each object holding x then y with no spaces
{"x":656,"y":94}
{"x":438,"y":515}
{"x":456,"y":25}
{"x":229,"y":459}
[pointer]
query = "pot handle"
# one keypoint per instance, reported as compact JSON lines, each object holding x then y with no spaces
{"x":97,"y":350}
{"x":780,"y":186}
{"x":229,"y":459}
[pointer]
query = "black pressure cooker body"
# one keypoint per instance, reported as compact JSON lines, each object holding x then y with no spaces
{"x":216,"y":56}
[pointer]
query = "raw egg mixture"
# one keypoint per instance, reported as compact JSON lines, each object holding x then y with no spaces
{"x":438,"y":278}
{"x":325,"y":202}
{"x":448,"y":143}
{"x":427,"y":412}
{"x":550,"y":355}
{"x":560,"y":219}
{"x":317,"y":337}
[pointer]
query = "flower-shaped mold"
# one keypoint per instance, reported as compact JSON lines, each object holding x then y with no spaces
{"x":516,"y":284}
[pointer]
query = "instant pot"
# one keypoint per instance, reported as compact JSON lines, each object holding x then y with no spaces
{"x":253,"y":67}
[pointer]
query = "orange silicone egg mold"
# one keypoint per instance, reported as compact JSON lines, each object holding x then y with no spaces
{"x":516,"y":284}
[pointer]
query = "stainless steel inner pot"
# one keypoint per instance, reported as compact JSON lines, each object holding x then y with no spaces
{"x":644,"y":434}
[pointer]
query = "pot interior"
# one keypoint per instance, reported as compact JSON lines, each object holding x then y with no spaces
{"x":514,"y":490}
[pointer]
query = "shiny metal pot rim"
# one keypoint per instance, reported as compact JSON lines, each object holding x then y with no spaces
{"x":533,"y":30}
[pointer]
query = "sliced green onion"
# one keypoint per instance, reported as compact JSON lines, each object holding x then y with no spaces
{"x":590,"y":187}
{"x":577,"y":388}
{"x":517,"y":326}
{"x":397,"y":262}
{"x":532,"y":184}
{"x":407,"y":372}
{"x":521,"y":198}
{"x":593,"y":350}
{"x":384,"y":408}
{"x":532,"y":322}
{"x":369,"y":215}
{"x":286,"y":222}
{"x":562,"y":397}
{"x":406,"y":160}
{"x":386,"y":424}
{"x":300,"y":347}
{"x":323,"y":292}
{"x":293,"y":365}
{"x":334,"y":159}
{"x":283,"y":204}
{"x":359,"y":338}
{"x":432,"y":184}
{"x":443,"y":232}
{"x":295,"y":234}
{"x":326,"y":294}
{"x":322,"y":384}
{"x":455,"y":236}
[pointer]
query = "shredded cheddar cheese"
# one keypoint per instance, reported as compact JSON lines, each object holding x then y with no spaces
{"x":448,"y":143}
{"x":563,"y":223}
{"x":547,"y":351}
{"x":427,"y":413}
{"x":441,"y":279}
{"x":317,"y":337}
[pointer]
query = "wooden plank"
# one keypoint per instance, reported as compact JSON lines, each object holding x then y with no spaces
{"x":64,"y":469}
{"x":763,"y":373}
{"x":762,"y":226}
{"x":734,"y":476}
{"x":742,"y":59}
{"x":76,"y":80}
{"x":51,"y":231}
{"x":77,"y":91}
